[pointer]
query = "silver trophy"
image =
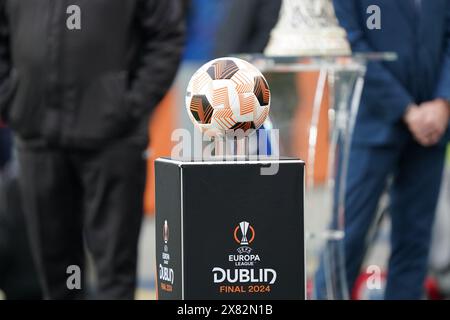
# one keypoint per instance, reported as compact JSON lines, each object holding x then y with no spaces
{"x":244,"y":229}
{"x":307,"y":28}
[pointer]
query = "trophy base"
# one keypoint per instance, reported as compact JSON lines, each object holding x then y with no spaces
{"x":321,"y":43}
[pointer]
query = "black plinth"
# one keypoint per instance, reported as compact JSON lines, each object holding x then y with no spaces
{"x":226,"y":231}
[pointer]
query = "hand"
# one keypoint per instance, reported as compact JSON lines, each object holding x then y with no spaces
{"x":436,"y":116}
{"x":428,"y":122}
{"x":415,"y":122}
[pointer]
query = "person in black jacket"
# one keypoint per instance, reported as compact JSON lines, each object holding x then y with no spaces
{"x":247,"y":26}
{"x":78,"y":81}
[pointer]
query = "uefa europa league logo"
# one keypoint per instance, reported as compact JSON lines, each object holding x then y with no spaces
{"x":246,"y":231}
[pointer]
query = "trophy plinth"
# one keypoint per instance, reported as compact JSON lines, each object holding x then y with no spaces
{"x":224,"y":211}
{"x":216,"y":222}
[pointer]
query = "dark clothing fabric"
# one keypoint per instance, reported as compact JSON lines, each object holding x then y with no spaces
{"x":247,"y":26}
{"x":86,"y":87}
{"x":18,"y":276}
{"x":421,"y":38}
{"x":69,"y":193}
{"x":414,"y":193}
{"x":79,"y":102}
{"x":5,"y":147}
{"x":383,"y":146}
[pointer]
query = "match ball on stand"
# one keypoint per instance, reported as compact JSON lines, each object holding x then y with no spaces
{"x":227,"y":94}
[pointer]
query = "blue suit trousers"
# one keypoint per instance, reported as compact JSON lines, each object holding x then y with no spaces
{"x":417,"y":175}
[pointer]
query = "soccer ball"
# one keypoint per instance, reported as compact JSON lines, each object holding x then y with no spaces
{"x":227,"y":94}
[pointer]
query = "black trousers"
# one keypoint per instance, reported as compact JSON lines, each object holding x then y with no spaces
{"x":76,"y":197}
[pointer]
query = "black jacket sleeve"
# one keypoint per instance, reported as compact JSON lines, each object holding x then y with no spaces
{"x":162,"y":29}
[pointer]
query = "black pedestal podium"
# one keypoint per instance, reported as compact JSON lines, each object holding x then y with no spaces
{"x":227,"y":230}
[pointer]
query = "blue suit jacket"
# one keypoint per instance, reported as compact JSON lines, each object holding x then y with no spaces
{"x":422,"y":72}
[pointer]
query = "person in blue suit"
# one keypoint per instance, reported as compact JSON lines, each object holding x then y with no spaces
{"x":400,"y":133}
